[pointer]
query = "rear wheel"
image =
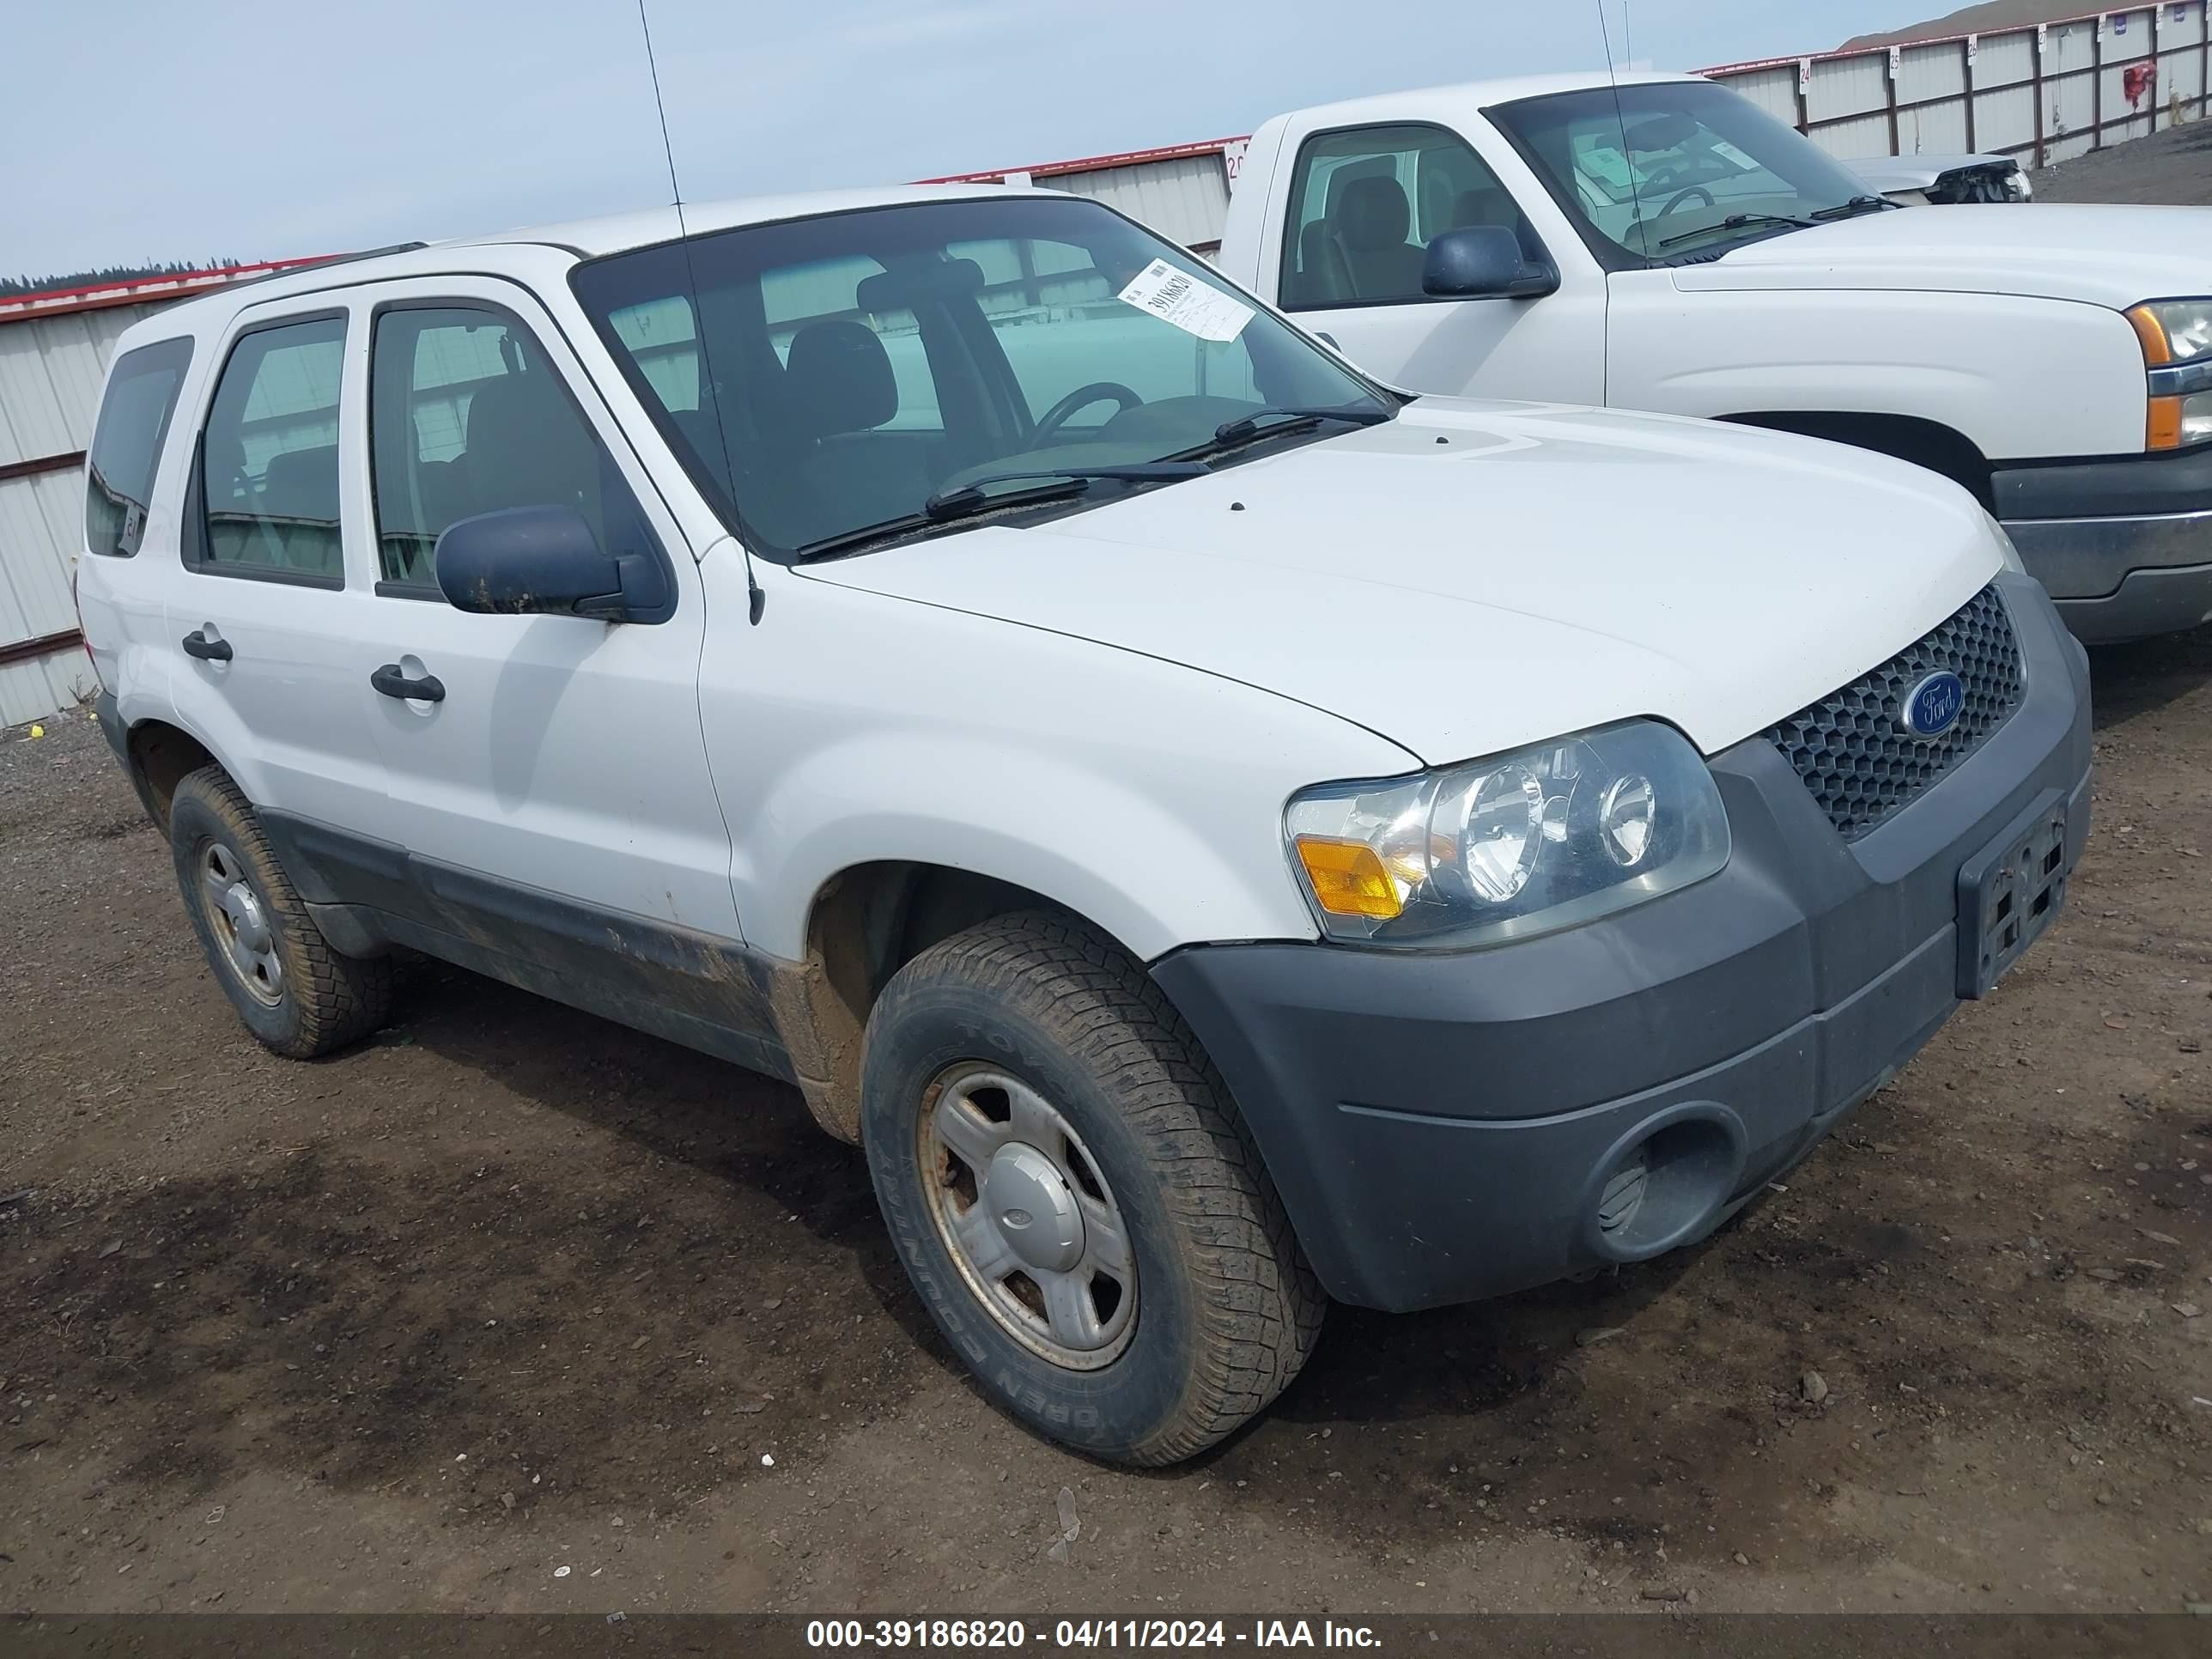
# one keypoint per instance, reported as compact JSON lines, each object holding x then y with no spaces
{"x":1070,"y":1188}
{"x":298,"y":995}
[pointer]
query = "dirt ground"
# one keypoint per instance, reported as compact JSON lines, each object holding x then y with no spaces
{"x":511,"y":1309}
{"x":2173,"y":168}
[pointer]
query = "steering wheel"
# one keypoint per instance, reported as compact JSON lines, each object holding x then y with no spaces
{"x":1082,"y":397}
{"x":1682,"y":196}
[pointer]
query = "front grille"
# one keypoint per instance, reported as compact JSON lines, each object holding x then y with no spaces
{"x":1860,"y":763}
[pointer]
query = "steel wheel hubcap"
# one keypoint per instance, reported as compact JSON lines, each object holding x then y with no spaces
{"x":240,"y":924}
{"x":1022,"y":1206}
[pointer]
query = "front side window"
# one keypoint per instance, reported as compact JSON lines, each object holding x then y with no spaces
{"x":127,"y":445}
{"x":822,"y":377}
{"x":1677,"y":171}
{"x":1365,"y":203}
{"x":467,"y":414}
{"x":269,"y":455}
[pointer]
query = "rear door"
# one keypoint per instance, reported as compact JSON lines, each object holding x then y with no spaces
{"x":1361,"y":206}
{"x":554,"y":796}
{"x":263,"y":607}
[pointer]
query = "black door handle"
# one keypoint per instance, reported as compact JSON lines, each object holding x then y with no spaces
{"x":390,"y":681}
{"x":198,"y":644}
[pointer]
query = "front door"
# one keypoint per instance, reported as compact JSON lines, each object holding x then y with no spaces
{"x":547,"y":773}
{"x":1362,"y":205}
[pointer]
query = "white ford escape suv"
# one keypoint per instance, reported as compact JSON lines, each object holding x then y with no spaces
{"x":1217,"y":833}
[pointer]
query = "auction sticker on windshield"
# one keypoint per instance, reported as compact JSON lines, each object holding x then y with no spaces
{"x":1193,"y":306}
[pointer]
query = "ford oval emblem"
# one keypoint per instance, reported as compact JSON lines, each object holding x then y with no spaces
{"x":1933,"y":706}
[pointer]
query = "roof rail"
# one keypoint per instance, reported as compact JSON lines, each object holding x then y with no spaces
{"x":329,"y":259}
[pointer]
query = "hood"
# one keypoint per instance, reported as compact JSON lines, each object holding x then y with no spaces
{"x":1471,"y":577}
{"x":2104,"y":255}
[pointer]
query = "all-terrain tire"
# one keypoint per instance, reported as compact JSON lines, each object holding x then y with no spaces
{"x":1226,"y":1308}
{"x":319,"y":1000}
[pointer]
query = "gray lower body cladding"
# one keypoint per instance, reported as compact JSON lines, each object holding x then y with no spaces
{"x":1444,"y":1127}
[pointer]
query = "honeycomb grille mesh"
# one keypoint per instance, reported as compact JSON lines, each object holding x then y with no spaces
{"x":1858,"y":761}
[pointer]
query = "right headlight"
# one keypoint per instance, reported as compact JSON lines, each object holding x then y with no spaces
{"x":2176,"y":346}
{"x":1524,"y":844}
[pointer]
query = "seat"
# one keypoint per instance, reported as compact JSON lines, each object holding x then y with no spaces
{"x":298,"y":508}
{"x":1323,"y":278}
{"x":527,"y":446}
{"x":1370,"y":222}
{"x":838,"y":393}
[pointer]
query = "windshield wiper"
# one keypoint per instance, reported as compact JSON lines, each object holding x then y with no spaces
{"x":1856,"y":206}
{"x":970,"y":500}
{"x":970,"y":497}
{"x":1737,"y":221}
{"x":1245,"y":427}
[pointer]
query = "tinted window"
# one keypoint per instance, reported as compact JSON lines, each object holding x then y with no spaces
{"x":466,"y":415}
{"x":127,"y":445}
{"x":1364,"y":204}
{"x":858,"y":363}
{"x":269,"y":466}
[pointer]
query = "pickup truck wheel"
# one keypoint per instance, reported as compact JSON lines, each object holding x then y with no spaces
{"x":1073,"y":1195}
{"x":299,"y":996}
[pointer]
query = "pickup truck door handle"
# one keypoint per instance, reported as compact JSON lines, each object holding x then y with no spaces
{"x":390,"y":681}
{"x":198,"y":644}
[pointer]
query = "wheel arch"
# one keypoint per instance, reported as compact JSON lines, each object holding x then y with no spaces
{"x":1931,"y":444}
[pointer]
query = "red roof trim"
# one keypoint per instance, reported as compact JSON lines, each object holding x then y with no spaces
{"x":1128,"y":158}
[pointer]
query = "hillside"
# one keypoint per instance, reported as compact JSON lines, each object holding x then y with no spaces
{"x":1985,"y":19}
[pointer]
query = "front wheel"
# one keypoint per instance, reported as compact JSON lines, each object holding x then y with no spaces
{"x":1073,"y":1195}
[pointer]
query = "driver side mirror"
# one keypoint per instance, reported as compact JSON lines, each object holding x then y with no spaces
{"x":1484,"y":262}
{"x":544,"y":560}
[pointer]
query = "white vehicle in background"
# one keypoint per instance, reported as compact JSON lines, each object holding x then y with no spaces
{"x":1218,"y":832}
{"x":1666,"y":245}
{"x":1945,"y":180}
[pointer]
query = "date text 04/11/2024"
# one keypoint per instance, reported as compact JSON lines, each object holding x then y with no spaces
{"x":1155,"y":1633}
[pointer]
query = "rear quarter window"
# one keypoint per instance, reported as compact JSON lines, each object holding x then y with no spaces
{"x":127,"y":445}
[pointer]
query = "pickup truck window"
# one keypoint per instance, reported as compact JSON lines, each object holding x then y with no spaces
{"x":1365,"y":203}
{"x":854,"y":366}
{"x":466,"y":415}
{"x":1675,"y":172}
{"x":134,"y":420}
{"x":269,"y":456}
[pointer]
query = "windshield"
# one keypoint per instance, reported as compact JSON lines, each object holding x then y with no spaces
{"x":1677,"y":171}
{"x":865,"y":366}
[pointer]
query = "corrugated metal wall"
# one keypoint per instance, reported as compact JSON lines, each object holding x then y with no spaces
{"x":50,"y":369}
{"x":2043,"y":94}
{"x":1185,"y":199}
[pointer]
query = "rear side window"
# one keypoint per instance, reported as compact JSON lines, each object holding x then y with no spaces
{"x":466,"y":415}
{"x":269,"y":460}
{"x":127,"y":445}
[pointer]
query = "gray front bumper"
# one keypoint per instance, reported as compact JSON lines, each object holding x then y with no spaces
{"x":2125,"y":546}
{"x":1448,"y":1125}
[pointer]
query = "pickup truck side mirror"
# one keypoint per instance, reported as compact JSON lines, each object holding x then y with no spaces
{"x":544,"y":560}
{"x":1484,"y":262}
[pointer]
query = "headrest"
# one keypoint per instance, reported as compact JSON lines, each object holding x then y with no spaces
{"x":1374,"y":215}
{"x":301,"y":483}
{"x":527,"y":445}
{"x":839,"y":379}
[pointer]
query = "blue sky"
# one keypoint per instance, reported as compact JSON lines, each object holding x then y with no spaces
{"x":142,"y":128}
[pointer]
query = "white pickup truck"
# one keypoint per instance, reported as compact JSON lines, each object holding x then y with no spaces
{"x":1666,"y":245}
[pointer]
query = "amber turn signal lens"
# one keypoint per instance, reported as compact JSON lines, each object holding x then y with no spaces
{"x":1347,"y":879}
{"x":2165,"y":424}
{"x":2157,"y":353}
